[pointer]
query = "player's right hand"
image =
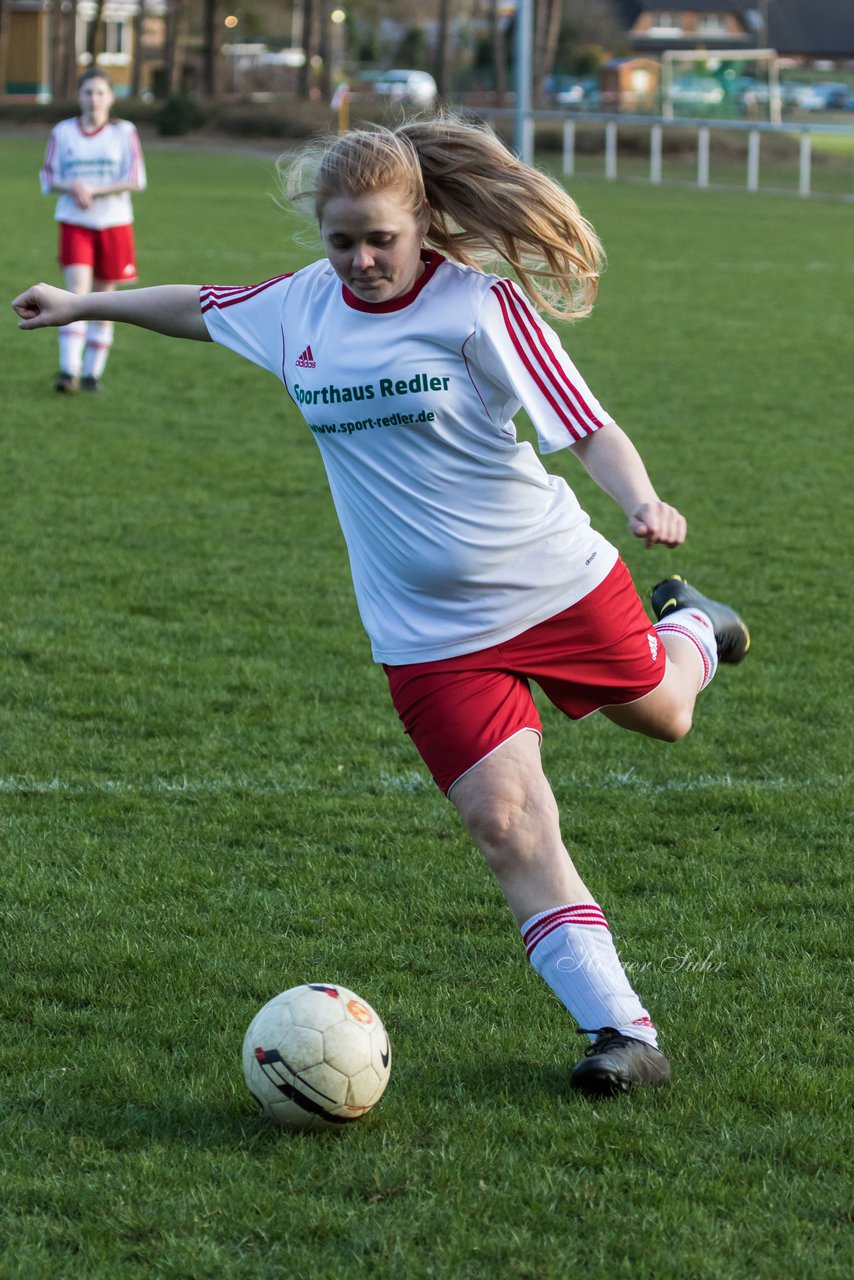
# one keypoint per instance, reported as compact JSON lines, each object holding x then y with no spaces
{"x":81,"y":193}
{"x":43,"y":305}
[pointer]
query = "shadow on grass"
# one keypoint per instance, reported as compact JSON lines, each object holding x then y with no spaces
{"x":434,"y":1094}
{"x":218,"y":1127}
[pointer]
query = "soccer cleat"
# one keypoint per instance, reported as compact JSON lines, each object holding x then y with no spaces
{"x":615,"y":1063}
{"x":66,"y":383}
{"x":88,"y":383}
{"x":731,"y":633}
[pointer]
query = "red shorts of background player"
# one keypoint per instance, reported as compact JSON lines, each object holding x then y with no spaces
{"x":109,"y":252}
{"x":601,"y":652}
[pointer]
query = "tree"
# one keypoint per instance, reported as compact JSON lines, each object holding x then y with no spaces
{"x":5,"y":18}
{"x":588,"y":26}
{"x":443,"y":37}
{"x":136,"y":65}
{"x":172,"y":59}
{"x":324,"y":49}
{"x":94,"y":33}
{"x":304,"y":78}
{"x":499,"y":52}
{"x":209,"y":42}
{"x":65,"y":82}
{"x":547,"y":18}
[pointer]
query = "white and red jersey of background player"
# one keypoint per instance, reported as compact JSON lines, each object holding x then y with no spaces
{"x":458,"y":537}
{"x":103,"y":157}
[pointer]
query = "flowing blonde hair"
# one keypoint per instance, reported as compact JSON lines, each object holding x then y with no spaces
{"x":484,"y":204}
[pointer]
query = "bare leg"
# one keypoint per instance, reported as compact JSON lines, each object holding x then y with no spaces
{"x":99,"y":341}
{"x":668,"y":711}
{"x":78,"y":278}
{"x":72,"y":337}
{"x":84,"y":347}
{"x":509,"y":809}
{"x":510,"y":812}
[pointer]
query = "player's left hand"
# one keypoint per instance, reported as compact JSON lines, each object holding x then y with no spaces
{"x":658,"y":522}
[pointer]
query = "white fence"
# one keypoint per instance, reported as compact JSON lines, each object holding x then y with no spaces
{"x":610,"y":126}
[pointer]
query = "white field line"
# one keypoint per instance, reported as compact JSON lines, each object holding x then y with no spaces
{"x":411,"y":781}
{"x":757,"y":266}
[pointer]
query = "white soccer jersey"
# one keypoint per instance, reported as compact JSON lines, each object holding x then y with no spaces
{"x":458,"y":537}
{"x":105,"y":156}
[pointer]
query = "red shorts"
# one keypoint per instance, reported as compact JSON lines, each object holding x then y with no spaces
{"x":601,"y":652}
{"x":108,"y":252}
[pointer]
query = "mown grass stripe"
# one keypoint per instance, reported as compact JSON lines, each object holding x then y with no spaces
{"x":253,"y":786}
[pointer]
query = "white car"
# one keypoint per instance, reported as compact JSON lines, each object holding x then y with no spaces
{"x":822,"y":97}
{"x":415,"y":87}
{"x":696,"y":91}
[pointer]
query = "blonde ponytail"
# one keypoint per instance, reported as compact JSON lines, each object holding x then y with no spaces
{"x":485,"y":205}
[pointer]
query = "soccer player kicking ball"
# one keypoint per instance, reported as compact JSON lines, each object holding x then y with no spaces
{"x":93,"y":163}
{"x":476,"y":571}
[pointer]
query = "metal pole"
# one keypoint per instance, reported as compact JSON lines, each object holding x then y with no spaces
{"x":666,"y":83}
{"x":775,"y":108}
{"x":523,"y":129}
{"x":753,"y":160}
{"x":655,"y":153}
{"x":804,"y":176}
{"x":611,"y":150}
{"x":702,"y":157}
{"x":568,"y":148}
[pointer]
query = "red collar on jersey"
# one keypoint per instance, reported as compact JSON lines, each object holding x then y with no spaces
{"x":431,"y":260}
{"x":91,"y":133}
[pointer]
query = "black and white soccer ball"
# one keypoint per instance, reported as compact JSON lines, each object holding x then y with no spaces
{"x":316,"y":1057}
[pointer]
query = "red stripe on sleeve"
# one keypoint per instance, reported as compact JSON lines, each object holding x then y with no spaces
{"x":136,"y":156}
{"x":526,"y":357}
{"x":581,"y":420}
{"x":561,"y":372}
{"x":214,"y":295}
{"x":47,"y":168}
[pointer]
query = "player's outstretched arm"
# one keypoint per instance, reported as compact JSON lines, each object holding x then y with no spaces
{"x":613,"y":462}
{"x":171,"y":309}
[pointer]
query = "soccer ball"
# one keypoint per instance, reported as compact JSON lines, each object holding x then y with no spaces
{"x":316,"y":1057}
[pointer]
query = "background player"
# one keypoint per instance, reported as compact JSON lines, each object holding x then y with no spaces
{"x":475,"y":570}
{"x":93,"y":163}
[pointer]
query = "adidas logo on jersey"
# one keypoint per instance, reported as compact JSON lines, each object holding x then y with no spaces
{"x":306,"y":360}
{"x":653,"y":644}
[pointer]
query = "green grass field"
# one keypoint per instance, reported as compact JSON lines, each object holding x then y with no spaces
{"x":206,"y":798}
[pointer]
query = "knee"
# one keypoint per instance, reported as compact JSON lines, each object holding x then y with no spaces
{"x":508,"y":807}
{"x":495,"y":828}
{"x":507,"y":833}
{"x":668,"y":719}
{"x":673,"y":727}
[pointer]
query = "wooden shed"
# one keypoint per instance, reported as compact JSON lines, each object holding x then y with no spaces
{"x":630,"y":84}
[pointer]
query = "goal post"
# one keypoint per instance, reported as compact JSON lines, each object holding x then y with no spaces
{"x":769,"y":57}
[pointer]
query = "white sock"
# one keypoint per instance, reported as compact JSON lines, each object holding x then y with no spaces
{"x":99,"y":339}
{"x":697,"y":627}
{"x":572,"y":950}
{"x":72,"y":339}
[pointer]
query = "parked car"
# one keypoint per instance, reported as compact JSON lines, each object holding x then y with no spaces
{"x":790,"y":92}
{"x":582,"y":94}
{"x":824,"y":97}
{"x":696,"y":91}
{"x":418,"y":88}
{"x":571,"y":95}
{"x":749,"y":92}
